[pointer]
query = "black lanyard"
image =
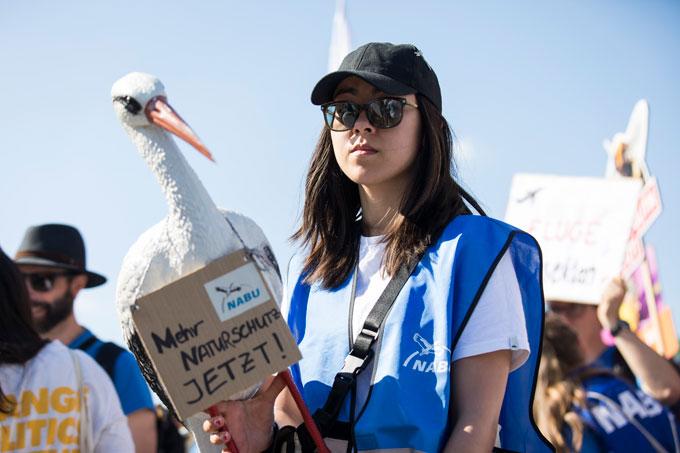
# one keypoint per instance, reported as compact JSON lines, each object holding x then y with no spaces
{"x":361,"y":352}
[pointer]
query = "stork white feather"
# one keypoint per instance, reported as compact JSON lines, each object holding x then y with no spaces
{"x":193,"y":234}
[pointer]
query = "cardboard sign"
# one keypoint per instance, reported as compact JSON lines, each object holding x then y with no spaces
{"x":582,"y":225}
{"x":214,"y":333}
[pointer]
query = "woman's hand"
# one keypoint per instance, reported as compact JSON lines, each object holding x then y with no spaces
{"x":249,"y":423}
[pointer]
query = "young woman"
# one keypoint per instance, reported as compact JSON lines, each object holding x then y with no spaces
{"x":43,"y":385}
{"x":381,"y":201}
{"x":589,"y":410}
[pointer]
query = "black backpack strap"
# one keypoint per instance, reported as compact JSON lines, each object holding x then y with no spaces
{"x":106,"y":356}
{"x":87,"y":343}
{"x":361,"y":353}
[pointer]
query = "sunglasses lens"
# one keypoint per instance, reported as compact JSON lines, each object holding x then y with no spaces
{"x":384,"y":113}
{"x":340,"y":116}
{"x":41,"y":282}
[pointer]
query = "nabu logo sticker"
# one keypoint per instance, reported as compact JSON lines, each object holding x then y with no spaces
{"x":236,"y":292}
{"x":429,"y":357}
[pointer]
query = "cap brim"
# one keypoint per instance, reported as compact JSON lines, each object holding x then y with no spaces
{"x":93,"y":279}
{"x":325,"y":89}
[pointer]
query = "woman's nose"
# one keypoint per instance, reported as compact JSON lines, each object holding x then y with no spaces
{"x":362,"y":124}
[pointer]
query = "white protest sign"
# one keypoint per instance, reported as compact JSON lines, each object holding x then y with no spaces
{"x":582,"y":225}
{"x":214,"y":333}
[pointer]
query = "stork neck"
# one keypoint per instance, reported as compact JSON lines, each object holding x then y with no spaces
{"x":187,"y":198}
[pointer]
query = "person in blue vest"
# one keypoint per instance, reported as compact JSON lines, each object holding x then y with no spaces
{"x":52,"y":259}
{"x":450,"y":363}
{"x":584,"y":408}
{"x":628,"y":357}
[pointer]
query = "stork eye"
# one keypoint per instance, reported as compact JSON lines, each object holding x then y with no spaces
{"x":130,"y":104}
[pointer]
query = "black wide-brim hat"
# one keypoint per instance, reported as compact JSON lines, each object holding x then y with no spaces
{"x":392,"y":68}
{"x":58,"y":246}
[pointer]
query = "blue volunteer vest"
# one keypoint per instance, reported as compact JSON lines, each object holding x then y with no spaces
{"x":609,"y":421}
{"x":408,"y":401}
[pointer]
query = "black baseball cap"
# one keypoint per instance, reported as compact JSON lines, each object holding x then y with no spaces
{"x":393,"y":68}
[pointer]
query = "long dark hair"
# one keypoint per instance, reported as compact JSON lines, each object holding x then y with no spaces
{"x":19,"y":341}
{"x":330,"y":228}
{"x":559,"y":387}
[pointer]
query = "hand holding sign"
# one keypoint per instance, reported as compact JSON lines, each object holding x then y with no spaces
{"x":250,"y":422}
{"x":214,"y":333}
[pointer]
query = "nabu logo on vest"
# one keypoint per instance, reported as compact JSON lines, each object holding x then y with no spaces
{"x":612,"y":415}
{"x":237,"y":291}
{"x":430,"y":358}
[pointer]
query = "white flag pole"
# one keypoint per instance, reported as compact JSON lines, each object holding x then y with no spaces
{"x":341,"y":43}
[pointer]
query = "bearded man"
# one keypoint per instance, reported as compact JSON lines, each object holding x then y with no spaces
{"x":52,"y":259}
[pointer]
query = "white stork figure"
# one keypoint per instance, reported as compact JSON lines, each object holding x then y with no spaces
{"x":195,"y":232}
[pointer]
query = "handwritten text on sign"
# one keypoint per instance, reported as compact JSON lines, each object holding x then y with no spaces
{"x":214,"y":333}
{"x":582,"y":226}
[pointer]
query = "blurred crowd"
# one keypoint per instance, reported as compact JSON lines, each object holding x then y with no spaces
{"x":599,"y":389}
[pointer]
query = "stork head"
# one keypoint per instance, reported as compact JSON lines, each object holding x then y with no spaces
{"x":139,"y":101}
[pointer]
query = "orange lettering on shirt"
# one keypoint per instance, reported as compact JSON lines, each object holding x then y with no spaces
{"x":40,"y":404}
{"x":67,"y":403}
{"x":51,"y":431}
{"x":62,"y":434}
{"x":5,"y":444}
{"x":11,"y":402}
{"x":36,"y":427}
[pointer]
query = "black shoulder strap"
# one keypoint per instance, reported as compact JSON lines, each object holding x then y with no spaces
{"x":361,"y":354}
{"x":87,"y":343}
{"x":106,"y":356}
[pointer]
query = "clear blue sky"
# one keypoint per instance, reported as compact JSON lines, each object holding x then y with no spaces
{"x":528,"y":86}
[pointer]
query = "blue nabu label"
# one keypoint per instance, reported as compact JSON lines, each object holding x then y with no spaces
{"x":237,"y":292}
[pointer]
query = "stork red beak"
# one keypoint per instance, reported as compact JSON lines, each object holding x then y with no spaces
{"x":159,"y":112}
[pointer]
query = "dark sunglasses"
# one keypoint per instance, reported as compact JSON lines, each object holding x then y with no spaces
{"x":382,"y":113}
{"x":569,"y":310}
{"x":44,"y":282}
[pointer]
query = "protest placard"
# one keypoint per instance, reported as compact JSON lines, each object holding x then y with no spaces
{"x":214,"y":333}
{"x":648,"y":209}
{"x":582,"y":225}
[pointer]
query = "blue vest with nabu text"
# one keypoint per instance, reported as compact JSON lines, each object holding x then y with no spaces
{"x":408,"y":402}
{"x":625,"y":418}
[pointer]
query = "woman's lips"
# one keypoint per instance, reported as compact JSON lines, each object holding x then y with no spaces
{"x":362,"y":150}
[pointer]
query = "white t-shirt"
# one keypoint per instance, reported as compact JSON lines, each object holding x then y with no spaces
{"x":497,"y":322}
{"x":47,"y":416}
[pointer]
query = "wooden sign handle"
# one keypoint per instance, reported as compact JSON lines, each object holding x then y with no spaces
{"x":650,"y":298}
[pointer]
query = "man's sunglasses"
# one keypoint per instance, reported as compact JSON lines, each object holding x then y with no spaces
{"x":382,"y":113}
{"x":44,"y":282}
{"x":569,"y":310}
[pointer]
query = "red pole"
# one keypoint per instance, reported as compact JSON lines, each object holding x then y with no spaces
{"x":306,"y":416}
{"x":213,"y":412}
